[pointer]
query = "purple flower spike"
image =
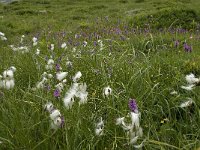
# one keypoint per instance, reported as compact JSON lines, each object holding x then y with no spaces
{"x":133,"y":106}
{"x":187,"y":48}
{"x":56,"y":93}
{"x":176,"y":43}
{"x":57,"y":67}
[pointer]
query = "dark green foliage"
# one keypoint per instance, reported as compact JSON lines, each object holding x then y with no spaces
{"x":166,"y":18}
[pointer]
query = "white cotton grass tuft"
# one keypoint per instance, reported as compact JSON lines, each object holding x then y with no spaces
{"x":107,"y":91}
{"x":37,"y":52}
{"x":187,"y":103}
{"x":69,"y":96}
{"x":82,"y":93}
{"x":22,"y":39}
{"x":61,"y":75}
{"x":99,"y":127}
{"x":77,"y":90}
{"x":57,"y":120}
{"x":2,"y":36}
{"x":35,"y":41}
{"x":100,"y":42}
{"x":191,"y":79}
{"x":7,"y":80}
{"x":188,"y":87}
{"x":49,"y":107}
{"x":174,"y":93}
{"x":119,"y":121}
{"x":50,"y":64}
{"x":52,"y":47}
{"x":64,"y":45}
{"x":21,"y":49}
{"x":77,"y":76}
{"x":41,"y":84}
{"x":133,"y":128}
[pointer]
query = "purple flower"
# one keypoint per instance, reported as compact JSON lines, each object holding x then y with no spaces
{"x":56,"y":93}
{"x":57,"y":67}
{"x":133,"y":106}
{"x":187,"y":48}
{"x":176,"y":43}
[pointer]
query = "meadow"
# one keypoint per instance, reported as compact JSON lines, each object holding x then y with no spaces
{"x":97,"y":74}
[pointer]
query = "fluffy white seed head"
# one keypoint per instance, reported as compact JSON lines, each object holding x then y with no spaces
{"x":191,"y":79}
{"x":54,"y":114}
{"x":49,"y":107}
{"x":77,"y":76}
{"x":107,"y":91}
{"x":61,"y":75}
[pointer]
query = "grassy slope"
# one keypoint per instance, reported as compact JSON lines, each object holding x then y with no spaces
{"x":147,"y":72}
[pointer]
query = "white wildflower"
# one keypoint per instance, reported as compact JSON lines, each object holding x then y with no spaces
{"x":99,"y":127}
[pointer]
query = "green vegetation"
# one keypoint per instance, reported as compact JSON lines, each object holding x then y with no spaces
{"x":144,"y":56}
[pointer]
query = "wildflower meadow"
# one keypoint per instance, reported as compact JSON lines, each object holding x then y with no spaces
{"x":100,"y":75}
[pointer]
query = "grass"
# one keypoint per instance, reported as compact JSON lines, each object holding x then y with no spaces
{"x":138,"y":61}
